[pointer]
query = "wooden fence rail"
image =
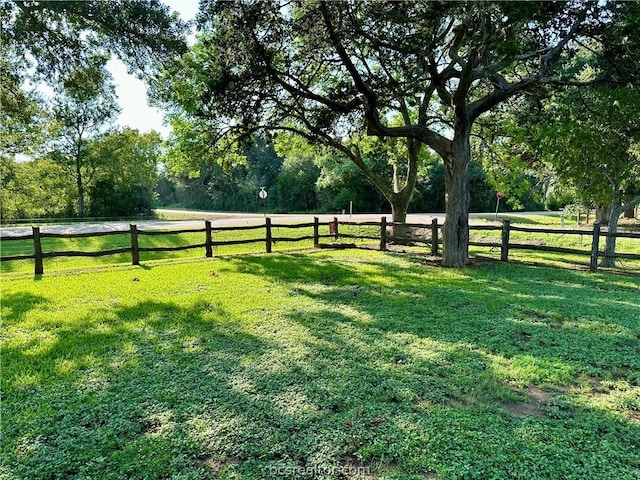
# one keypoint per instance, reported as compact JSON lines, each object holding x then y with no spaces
{"x":505,"y":244}
{"x":135,"y":249}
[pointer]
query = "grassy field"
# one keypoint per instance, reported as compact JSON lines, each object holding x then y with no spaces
{"x":332,"y":365}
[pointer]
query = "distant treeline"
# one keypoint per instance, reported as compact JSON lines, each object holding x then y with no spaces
{"x":308,"y":183}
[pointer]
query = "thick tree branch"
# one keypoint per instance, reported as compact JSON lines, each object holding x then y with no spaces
{"x":369,"y":100}
{"x":504,"y":90}
{"x":628,"y":205}
{"x":301,"y":90}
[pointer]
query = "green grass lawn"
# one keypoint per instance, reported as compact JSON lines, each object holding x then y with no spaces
{"x":320,"y":365}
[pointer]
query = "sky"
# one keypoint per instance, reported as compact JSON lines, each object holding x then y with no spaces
{"x":132,"y":92}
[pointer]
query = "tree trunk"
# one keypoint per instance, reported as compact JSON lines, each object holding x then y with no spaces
{"x":455,"y":232}
{"x":399,"y":207}
{"x":616,"y":209}
{"x":609,"y":259}
{"x":80,"y":190}
{"x":399,"y":211}
{"x":402,"y":196}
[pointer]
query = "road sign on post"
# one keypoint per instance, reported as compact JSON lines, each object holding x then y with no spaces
{"x":498,"y":196}
{"x":263,"y":194}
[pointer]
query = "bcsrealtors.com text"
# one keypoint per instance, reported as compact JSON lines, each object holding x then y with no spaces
{"x":286,"y":471}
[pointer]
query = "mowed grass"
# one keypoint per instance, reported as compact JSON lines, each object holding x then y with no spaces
{"x":333,"y":365}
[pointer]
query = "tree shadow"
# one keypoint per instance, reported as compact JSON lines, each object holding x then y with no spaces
{"x":369,"y":365}
{"x":557,"y":327}
{"x":557,"y":315}
{"x":16,"y":305}
{"x":118,"y":384}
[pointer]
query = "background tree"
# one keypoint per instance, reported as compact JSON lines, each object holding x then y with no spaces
{"x":52,"y":43}
{"x":84,"y":105}
{"x":265,"y":165}
{"x":34,"y":189}
{"x":42,"y":42}
{"x":419,"y":71}
{"x":511,"y":165}
{"x":587,"y":137}
{"x":124,"y":185}
{"x":204,"y":180}
{"x":341,"y":181}
{"x":297,"y":184}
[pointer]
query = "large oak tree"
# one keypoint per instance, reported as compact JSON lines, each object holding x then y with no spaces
{"x":421,"y":71}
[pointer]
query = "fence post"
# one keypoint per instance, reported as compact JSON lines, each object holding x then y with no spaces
{"x":135,"y":253}
{"x":316,"y":232}
{"x":595,"y":245}
{"x":268,"y":235}
{"x":335,"y":220}
{"x":383,"y":234}
{"x":504,"y":250}
{"x":208,"y":240}
{"x":37,"y":251}
{"x":434,"y":236}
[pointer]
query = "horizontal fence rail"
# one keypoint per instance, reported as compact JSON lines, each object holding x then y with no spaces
{"x":81,"y":235}
{"x":384,"y":236}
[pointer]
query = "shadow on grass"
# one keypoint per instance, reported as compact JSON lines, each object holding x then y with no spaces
{"x":16,"y":305}
{"x":554,"y":329}
{"x":387,"y":365}
{"x":588,"y":322}
{"x":116,"y":386}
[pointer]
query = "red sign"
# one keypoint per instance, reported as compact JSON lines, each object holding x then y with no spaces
{"x":499,"y":195}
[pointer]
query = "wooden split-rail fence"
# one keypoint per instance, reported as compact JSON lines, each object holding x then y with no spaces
{"x":383,"y":237}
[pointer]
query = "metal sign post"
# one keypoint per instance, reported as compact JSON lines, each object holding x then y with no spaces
{"x":263,"y":194}
{"x":498,"y":196}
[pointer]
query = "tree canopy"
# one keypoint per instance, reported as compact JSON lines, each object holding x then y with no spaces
{"x":42,"y":42}
{"x":51,"y":37}
{"x":420,"y":71}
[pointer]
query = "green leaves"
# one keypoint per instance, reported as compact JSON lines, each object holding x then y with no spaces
{"x":60,"y":36}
